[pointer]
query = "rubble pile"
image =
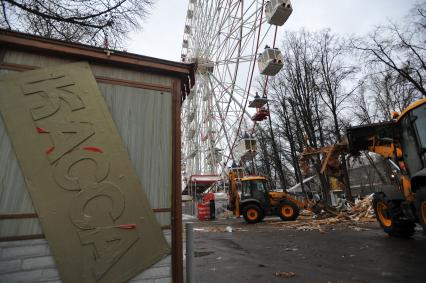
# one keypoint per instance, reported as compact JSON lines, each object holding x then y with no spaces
{"x":362,"y":210}
{"x":353,"y":214}
{"x":304,"y":223}
{"x":352,"y":217}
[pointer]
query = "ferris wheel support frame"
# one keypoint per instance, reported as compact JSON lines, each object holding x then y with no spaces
{"x":220,"y":37}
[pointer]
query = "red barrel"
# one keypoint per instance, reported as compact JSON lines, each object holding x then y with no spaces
{"x":208,"y":197}
{"x":203,"y":211}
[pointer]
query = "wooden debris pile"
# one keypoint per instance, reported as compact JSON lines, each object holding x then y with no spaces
{"x":285,"y":274}
{"x":358,"y":213}
{"x":361,"y":211}
{"x":351,"y":218}
{"x":310,"y":224}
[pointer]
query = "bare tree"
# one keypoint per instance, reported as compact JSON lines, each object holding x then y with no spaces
{"x":299,"y":76}
{"x":285,"y":125}
{"x":363,"y":106}
{"x":264,"y":157}
{"x":85,"y":21}
{"x":299,"y":113}
{"x":392,"y":92}
{"x":334,"y":73}
{"x":399,"y":48}
{"x":309,"y":96}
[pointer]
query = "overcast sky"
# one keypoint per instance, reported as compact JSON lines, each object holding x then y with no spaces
{"x":162,"y":32}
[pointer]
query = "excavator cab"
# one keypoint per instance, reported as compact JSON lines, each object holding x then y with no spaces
{"x":412,"y":140}
{"x":254,"y":188}
{"x":254,"y":202}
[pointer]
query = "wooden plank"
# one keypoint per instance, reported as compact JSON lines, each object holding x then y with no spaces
{"x":96,"y":54}
{"x":18,"y":216}
{"x":42,"y":236}
{"x":34,"y":215}
{"x":22,"y":237}
{"x":101,"y":79}
{"x":177,"y":251}
{"x":92,"y":208}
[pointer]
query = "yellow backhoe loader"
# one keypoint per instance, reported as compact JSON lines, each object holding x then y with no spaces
{"x":256,"y":201}
{"x":402,"y":141}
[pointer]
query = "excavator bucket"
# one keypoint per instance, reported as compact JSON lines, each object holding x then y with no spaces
{"x":360,"y":137}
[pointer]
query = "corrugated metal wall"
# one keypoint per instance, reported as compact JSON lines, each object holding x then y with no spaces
{"x":144,"y":120}
{"x":14,"y":197}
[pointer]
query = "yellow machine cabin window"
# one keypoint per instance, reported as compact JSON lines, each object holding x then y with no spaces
{"x":253,"y":188}
{"x":419,"y":117}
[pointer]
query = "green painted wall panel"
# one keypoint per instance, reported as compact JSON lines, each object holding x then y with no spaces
{"x":79,"y":175}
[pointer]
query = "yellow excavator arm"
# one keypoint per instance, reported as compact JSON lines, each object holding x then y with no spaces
{"x":234,"y":197}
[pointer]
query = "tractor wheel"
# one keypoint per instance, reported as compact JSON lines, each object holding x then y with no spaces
{"x":389,"y":215}
{"x":288,"y":211}
{"x":252,"y":214}
{"x":421,"y":207}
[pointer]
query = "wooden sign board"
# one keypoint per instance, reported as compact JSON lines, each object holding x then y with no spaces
{"x":94,"y":213}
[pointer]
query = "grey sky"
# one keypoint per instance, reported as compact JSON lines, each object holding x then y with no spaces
{"x":162,"y":32}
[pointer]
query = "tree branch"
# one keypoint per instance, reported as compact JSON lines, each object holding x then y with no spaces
{"x":4,"y":14}
{"x":71,"y":20}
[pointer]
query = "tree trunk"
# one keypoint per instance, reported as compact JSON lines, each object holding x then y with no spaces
{"x":346,"y":181}
{"x":276,"y":156}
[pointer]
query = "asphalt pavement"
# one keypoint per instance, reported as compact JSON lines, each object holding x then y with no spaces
{"x":271,"y":252}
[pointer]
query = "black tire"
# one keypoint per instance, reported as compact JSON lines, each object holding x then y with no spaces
{"x":390,"y":216}
{"x":421,"y":207}
{"x":252,"y":213}
{"x":288,"y":211}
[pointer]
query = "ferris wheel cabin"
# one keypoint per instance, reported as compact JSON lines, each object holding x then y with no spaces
{"x":246,"y":149}
{"x":190,"y":117}
{"x":214,"y":157}
{"x":258,"y":102}
{"x":278,"y":11}
{"x":270,"y":61}
{"x":189,"y":14}
{"x":261,"y":111}
{"x":260,"y":115}
{"x":238,"y":170}
{"x":185,"y":43}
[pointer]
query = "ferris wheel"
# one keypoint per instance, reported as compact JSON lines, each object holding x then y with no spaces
{"x":223,"y":38}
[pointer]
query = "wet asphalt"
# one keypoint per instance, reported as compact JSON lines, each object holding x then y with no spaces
{"x":343,"y":253}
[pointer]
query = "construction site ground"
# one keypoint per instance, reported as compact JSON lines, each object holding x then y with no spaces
{"x":306,"y":250}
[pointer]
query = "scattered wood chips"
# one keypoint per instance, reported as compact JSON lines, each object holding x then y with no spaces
{"x":285,"y":274}
{"x":353,"y":215}
{"x":358,"y":213}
